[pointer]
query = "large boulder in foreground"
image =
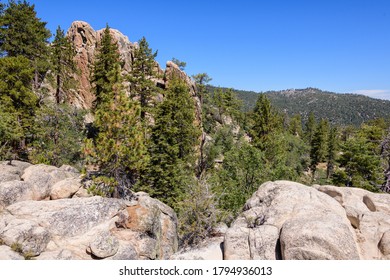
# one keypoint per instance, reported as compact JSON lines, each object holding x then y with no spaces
{"x":46,"y":213}
{"x":287,"y":220}
{"x":90,"y":228}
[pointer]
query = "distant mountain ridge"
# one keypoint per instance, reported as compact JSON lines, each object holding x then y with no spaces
{"x":342,"y":109}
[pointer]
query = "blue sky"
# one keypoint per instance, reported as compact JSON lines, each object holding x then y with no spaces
{"x":341,"y":46}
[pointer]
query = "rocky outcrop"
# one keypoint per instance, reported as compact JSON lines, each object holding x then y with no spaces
{"x":33,"y":182}
{"x":369,"y":215}
{"x":46,"y":213}
{"x":86,"y":41}
{"x":50,"y":216}
{"x":286,"y":220}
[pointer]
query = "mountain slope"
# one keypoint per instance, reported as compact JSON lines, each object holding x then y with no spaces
{"x":342,"y":109}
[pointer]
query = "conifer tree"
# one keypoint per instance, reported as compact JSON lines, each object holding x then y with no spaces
{"x":319,"y":145}
{"x":361,"y":163}
{"x":227,"y":104}
{"x":105,"y":69}
{"x":179,"y":63}
{"x":332,"y":152}
{"x":17,"y":100}
{"x":63,"y":65}
{"x":310,"y":128}
{"x":118,"y":148}
{"x":57,"y":135}
{"x":142,"y":87}
{"x":174,"y":137}
{"x":265,"y":121}
{"x":201,"y":81}
{"x":23,"y":33}
{"x":295,"y":126}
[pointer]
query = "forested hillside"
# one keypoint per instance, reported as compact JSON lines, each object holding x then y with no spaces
{"x":162,"y":132}
{"x":341,"y":109}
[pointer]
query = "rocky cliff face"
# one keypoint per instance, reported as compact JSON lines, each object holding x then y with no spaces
{"x":86,"y":40}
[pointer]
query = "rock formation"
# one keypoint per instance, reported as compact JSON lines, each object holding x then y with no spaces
{"x":86,"y":40}
{"x":291,"y":221}
{"x":45,"y":213}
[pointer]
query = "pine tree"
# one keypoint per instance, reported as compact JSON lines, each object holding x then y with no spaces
{"x":57,"y":135}
{"x":295,"y":126}
{"x":310,"y":128}
{"x":17,"y":101}
{"x":201,"y":81}
{"x":361,"y":162}
{"x":179,"y":63}
{"x":143,"y":66}
{"x":63,"y":65}
{"x":332,"y":152}
{"x":23,"y":34}
{"x":174,"y":137}
{"x":319,"y":145}
{"x":265,"y":121}
{"x":10,"y":134}
{"x":105,"y":69}
{"x":227,"y":104}
{"x":118,"y":148}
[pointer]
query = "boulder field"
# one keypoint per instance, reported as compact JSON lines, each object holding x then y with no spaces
{"x":46,"y":213}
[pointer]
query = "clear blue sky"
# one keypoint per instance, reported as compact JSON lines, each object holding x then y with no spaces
{"x":336,"y":45}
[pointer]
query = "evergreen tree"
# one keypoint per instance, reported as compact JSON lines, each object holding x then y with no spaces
{"x":174,"y":138}
{"x":179,"y":63}
{"x":18,"y":102}
{"x":23,"y":34}
{"x":310,"y":128}
{"x":265,"y":121}
{"x":63,"y":65}
{"x":143,"y":66}
{"x":201,"y":80}
{"x":10,"y":134}
{"x":243,"y":170}
{"x":286,"y":155}
{"x":361,"y":164}
{"x":319,"y":145}
{"x":332,"y":152}
{"x":58,"y":133}
{"x":118,"y":148}
{"x":295,"y":126}
{"x":105,"y":70}
{"x":227,"y":104}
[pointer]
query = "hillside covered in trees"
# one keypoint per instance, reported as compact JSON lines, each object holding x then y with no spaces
{"x":340,"y":109}
{"x":166,"y":133}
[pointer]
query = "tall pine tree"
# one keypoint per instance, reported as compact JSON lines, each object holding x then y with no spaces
{"x":265,"y":121}
{"x":63,"y":65}
{"x":174,"y":138}
{"x":319,"y":145}
{"x":18,"y":103}
{"x":143,"y":70}
{"x":332,"y":152}
{"x":23,"y":33}
{"x":118,"y":148}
